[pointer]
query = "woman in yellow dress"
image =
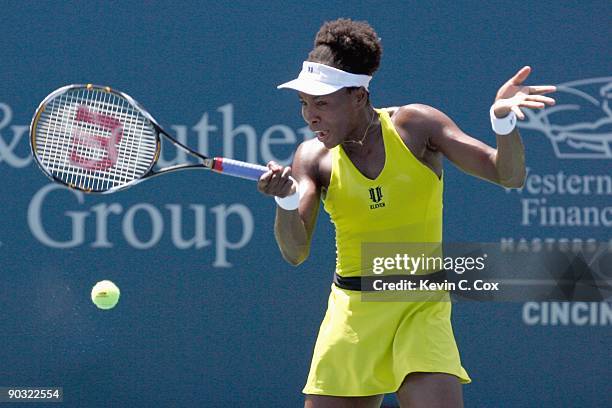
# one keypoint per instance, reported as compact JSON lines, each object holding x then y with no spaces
{"x":378,"y":173}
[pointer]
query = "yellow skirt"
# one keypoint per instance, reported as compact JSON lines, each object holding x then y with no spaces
{"x":368,"y":348}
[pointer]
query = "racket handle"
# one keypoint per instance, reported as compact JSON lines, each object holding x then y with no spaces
{"x":238,"y":168}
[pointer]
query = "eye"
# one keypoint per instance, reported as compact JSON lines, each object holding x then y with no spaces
{"x":302,"y":102}
{"x":321,"y":103}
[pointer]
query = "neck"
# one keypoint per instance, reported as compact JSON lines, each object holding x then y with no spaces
{"x":365,"y":134}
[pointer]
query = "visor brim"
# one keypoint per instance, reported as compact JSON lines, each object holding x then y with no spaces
{"x":310,"y":87}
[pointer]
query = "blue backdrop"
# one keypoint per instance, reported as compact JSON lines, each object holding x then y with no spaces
{"x":209,"y":312}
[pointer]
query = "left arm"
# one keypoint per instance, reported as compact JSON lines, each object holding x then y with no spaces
{"x":506,"y":164}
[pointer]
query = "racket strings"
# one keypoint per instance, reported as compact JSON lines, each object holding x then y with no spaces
{"x":94,"y":140}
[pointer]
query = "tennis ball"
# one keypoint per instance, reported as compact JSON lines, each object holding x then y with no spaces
{"x":105,"y":294}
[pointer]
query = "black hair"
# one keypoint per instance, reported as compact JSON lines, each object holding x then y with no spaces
{"x":352,"y":46}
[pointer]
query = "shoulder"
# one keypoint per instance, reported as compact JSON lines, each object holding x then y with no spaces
{"x":311,"y":150}
{"x":421,"y":124}
{"x":311,"y":159}
{"x":416,"y":116}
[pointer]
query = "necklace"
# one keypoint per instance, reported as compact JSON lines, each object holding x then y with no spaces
{"x":365,"y":134}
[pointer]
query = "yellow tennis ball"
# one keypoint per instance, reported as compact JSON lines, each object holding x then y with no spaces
{"x":105,"y":294}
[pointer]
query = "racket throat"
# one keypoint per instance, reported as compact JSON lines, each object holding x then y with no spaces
{"x":209,"y":163}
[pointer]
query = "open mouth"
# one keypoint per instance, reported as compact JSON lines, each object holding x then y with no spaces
{"x":321,"y":135}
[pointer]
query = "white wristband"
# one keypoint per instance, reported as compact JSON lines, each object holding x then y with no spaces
{"x":290,"y":202}
{"x":502,"y":126}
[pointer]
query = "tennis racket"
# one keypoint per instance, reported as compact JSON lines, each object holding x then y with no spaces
{"x":99,"y":140}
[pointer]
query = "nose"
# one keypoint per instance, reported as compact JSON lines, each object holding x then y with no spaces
{"x":309,"y":116}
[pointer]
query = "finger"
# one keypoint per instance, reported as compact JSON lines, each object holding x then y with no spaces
{"x":518,"y":112}
{"x":274,"y":166}
{"x":274,"y":179}
{"x":542,"y":89}
{"x":521,"y":75}
{"x":532,"y":105}
{"x":276,"y":182}
{"x":540,"y":98}
{"x":264,"y":181}
{"x":276,"y":169}
{"x":286,"y":172}
{"x":265,"y":178}
{"x":285,"y":187}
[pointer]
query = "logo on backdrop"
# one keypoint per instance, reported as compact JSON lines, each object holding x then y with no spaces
{"x":144,"y":225}
{"x":579,"y":126}
{"x":567,"y":314}
{"x":11,"y":140}
{"x":569,"y":208}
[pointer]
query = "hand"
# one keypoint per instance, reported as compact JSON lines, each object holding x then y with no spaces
{"x":513,"y":96}
{"x":277,"y":181}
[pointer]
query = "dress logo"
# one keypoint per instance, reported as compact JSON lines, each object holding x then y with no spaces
{"x":376,"y":196}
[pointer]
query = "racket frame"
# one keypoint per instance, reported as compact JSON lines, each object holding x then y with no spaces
{"x":206,"y":162}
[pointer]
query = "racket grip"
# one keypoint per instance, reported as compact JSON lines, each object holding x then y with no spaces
{"x":238,"y":168}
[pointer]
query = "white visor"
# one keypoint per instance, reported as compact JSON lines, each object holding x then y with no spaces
{"x":318,"y":79}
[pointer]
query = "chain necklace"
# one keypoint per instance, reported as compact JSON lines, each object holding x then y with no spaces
{"x":365,"y":134}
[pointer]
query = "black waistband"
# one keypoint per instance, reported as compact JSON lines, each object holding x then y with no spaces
{"x":366,"y":283}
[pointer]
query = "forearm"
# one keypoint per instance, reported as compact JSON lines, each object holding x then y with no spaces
{"x":510,"y":160}
{"x":291,"y":236}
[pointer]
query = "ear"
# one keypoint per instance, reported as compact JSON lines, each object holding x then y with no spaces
{"x":360,"y":97}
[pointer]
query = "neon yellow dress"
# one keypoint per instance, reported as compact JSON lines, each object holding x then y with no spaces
{"x":368,"y":348}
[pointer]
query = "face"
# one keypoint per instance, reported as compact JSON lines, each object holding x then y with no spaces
{"x":332,"y":117}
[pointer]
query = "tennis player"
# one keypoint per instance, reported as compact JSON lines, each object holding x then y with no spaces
{"x":379,"y":175}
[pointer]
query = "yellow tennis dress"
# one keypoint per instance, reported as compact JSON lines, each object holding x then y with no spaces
{"x":368,"y":348}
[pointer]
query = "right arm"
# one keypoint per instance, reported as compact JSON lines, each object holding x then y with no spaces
{"x":294,"y":229}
